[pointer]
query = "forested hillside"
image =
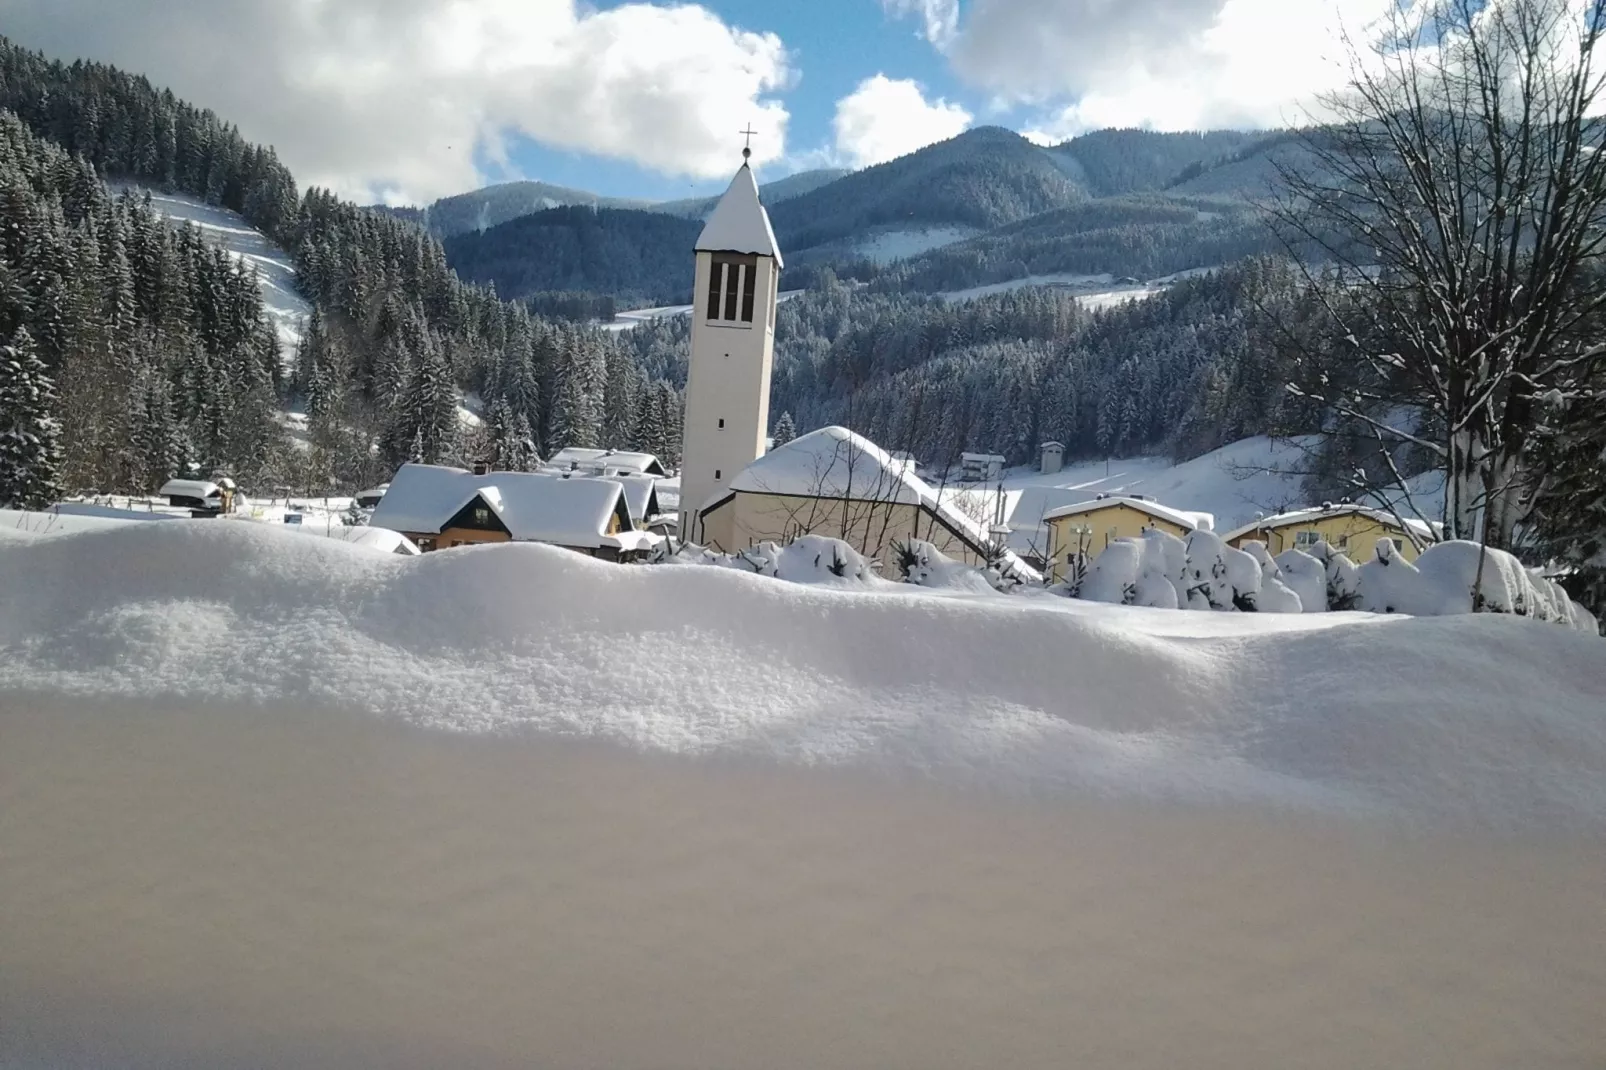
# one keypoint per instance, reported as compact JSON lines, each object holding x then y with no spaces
{"x":482,"y":209}
{"x":1145,"y":236}
{"x":1184,"y":371}
{"x":640,"y":258}
{"x":396,"y":338}
{"x":1111,"y":163}
{"x":982,"y":178}
{"x":772,"y":193}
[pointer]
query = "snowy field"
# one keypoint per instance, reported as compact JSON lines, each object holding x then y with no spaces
{"x":1091,"y":291}
{"x":897,"y":243}
{"x":278,"y":801}
{"x":275,"y":270}
{"x":1236,"y":483}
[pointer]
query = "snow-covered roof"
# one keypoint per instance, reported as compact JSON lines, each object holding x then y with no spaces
{"x":1181,"y":517}
{"x":985,"y":458}
{"x":835,"y":462}
{"x":613,"y":461}
{"x":739,"y":223}
{"x":1325,"y":512}
{"x":190,"y":488}
{"x":533,"y":506}
{"x":380,"y":540}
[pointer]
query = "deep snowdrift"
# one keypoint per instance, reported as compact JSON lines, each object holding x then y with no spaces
{"x":845,"y":829}
{"x":1480,"y":718}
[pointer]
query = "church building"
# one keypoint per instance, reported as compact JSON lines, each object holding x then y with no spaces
{"x":732,"y":347}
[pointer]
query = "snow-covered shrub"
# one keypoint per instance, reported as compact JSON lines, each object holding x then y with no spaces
{"x":1390,"y":584}
{"x":1168,"y":555}
{"x":806,"y":559}
{"x":1217,"y":576}
{"x":1343,"y":577}
{"x":922,"y":564}
{"x":1307,"y":577}
{"x":1113,"y":576}
{"x":1274,"y":595}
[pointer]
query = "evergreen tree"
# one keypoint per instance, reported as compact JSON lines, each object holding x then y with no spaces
{"x":30,"y":455}
{"x":784,"y":430}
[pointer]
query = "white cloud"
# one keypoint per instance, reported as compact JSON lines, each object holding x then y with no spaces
{"x":405,"y":97}
{"x":940,"y":17}
{"x":888,"y":117}
{"x":1166,"y":64}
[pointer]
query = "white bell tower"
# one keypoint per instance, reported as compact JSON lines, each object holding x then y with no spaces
{"x":732,"y":348}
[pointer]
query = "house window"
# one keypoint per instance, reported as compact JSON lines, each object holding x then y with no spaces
{"x":1304,"y":540}
{"x":482,"y":515}
{"x":732,"y":284}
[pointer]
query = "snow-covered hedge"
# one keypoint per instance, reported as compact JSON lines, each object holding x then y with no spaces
{"x":1202,"y":572}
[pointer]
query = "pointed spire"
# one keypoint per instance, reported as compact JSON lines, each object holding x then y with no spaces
{"x":739,"y":223}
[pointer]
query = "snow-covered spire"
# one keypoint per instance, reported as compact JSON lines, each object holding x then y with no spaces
{"x":739,"y":223}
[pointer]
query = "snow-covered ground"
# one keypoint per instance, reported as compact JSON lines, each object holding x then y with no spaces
{"x":896,"y":243}
{"x":1236,"y":483}
{"x":278,"y":800}
{"x":275,"y":270}
{"x":1091,"y":291}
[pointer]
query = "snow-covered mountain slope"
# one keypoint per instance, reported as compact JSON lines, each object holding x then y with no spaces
{"x":274,"y":267}
{"x":895,"y":243}
{"x":271,"y":798}
{"x":1236,"y":483}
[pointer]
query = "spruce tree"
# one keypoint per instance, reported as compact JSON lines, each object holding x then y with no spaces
{"x":30,"y":454}
{"x":784,"y":430}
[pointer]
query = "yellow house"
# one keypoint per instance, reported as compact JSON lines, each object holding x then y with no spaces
{"x":1351,"y":529}
{"x":439,"y":508}
{"x":1086,"y":528}
{"x":837,"y":483}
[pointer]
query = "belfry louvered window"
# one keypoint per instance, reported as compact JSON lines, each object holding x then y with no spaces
{"x":732,"y":286}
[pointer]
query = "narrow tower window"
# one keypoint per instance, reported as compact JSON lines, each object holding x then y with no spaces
{"x":732,"y":288}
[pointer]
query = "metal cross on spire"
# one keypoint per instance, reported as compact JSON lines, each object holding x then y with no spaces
{"x":747,"y":144}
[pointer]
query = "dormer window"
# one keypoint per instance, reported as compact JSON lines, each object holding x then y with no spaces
{"x":732,"y":284}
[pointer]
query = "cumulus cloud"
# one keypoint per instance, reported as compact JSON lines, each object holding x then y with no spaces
{"x":888,"y":117}
{"x":406,"y":99}
{"x":940,"y":18}
{"x":1167,"y":64}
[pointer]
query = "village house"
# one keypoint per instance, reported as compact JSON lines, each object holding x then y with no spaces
{"x":980,"y":467}
{"x":201,"y":497}
{"x":1087,"y":528}
{"x":604,"y":462}
{"x":439,"y":507}
{"x":1349,"y":528}
{"x":837,"y":483}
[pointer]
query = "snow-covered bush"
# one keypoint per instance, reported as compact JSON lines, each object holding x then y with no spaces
{"x":1218,"y":576}
{"x":1307,"y":577}
{"x":1343,"y":578}
{"x":806,"y":559}
{"x":1167,"y":555}
{"x":1274,"y":596}
{"x":1113,"y":575}
{"x":922,"y":564}
{"x":1390,"y":584}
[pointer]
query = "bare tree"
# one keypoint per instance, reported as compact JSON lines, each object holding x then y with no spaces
{"x":1457,"y":195}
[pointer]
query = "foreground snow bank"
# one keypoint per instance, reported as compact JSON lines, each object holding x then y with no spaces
{"x":1482,"y":717}
{"x":690,"y":817}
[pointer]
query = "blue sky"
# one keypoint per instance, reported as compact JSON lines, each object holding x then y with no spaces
{"x":835,"y":45}
{"x":404,"y":101}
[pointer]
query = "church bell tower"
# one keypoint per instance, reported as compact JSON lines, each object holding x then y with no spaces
{"x":732,"y":348}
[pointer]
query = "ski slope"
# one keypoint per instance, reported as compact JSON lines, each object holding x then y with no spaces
{"x":275,"y":270}
{"x":280,"y":801}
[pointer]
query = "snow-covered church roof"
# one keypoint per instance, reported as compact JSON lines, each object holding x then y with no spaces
{"x":739,"y":223}
{"x":835,"y":462}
